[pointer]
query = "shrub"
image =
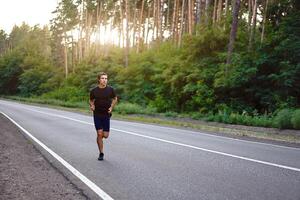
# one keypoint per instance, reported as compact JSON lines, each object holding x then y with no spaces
{"x":296,"y":119}
{"x":130,"y":108}
{"x":283,"y":119}
{"x":67,"y":94}
{"x":196,"y":115}
{"x":171,"y":114}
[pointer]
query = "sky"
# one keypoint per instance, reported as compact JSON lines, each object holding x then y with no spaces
{"x":32,"y":12}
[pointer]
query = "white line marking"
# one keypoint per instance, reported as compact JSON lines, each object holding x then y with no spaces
{"x":84,"y":179}
{"x":179,"y":144}
{"x":170,"y":128}
{"x":208,"y":135}
{"x":211,"y":151}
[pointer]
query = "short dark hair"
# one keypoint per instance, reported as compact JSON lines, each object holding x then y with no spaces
{"x":100,"y":74}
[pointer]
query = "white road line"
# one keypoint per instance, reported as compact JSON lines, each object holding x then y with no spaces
{"x":170,"y":128}
{"x":84,"y":179}
{"x":217,"y":136}
{"x":177,"y":143}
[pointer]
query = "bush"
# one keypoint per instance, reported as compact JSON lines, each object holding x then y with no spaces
{"x":196,"y":115}
{"x":130,"y":108}
{"x":296,"y":119}
{"x":67,"y":94}
{"x":171,"y":114}
{"x":31,"y":81}
{"x":264,"y":121}
{"x":283,"y":119}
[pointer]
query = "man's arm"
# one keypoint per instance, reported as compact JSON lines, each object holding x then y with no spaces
{"x":113,"y":103}
{"x":92,"y":104}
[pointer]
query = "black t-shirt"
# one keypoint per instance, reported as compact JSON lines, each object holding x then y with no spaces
{"x":103,"y":98}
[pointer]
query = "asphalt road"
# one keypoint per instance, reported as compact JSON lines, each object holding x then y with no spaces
{"x":153,"y":162}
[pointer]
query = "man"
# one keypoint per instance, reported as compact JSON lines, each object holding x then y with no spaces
{"x":102,"y":101}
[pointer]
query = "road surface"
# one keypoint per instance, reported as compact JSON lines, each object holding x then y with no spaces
{"x":153,"y":162}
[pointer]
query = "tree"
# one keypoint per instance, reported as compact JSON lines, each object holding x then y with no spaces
{"x":234,"y":27}
{"x":253,"y":26}
{"x":127,"y":32}
{"x":3,"y":42}
{"x":66,"y":18}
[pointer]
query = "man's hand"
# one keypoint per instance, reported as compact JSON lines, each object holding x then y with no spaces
{"x":92,"y":105}
{"x":113,"y":103}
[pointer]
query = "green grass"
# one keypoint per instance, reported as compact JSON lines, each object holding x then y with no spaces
{"x":129,"y":108}
{"x":133,"y":112}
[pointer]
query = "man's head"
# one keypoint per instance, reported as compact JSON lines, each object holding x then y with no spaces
{"x":102,"y":79}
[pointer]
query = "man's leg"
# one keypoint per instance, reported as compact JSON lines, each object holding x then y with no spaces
{"x":105,"y":134}
{"x":100,"y":135}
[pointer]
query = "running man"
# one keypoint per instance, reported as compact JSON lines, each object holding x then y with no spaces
{"x":102,"y":101}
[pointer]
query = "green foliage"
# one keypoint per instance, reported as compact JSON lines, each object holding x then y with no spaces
{"x":130,"y":108}
{"x":31,"y":81}
{"x":296,"y":119}
{"x":3,"y":41}
{"x":135,"y":81}
{"x":54,"y":102}
{"x":283,"y":119}
{"x":242,"y":119}
{"x":27,"y":66}
{"x":171,"y":114}
{"x":54,"y":82}
{"x":10,"y":71}
{"x":166,"y":78}
{"x":68,"y":94}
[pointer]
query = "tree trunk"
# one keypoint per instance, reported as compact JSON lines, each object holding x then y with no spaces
{"x":234,"y":27}
{"x":168,"y":15}
{"x":161,"y":15}
{"x":182,"y":24}
{"x":158,"y":20}
{"x":191,"y":16}
{"x":198,"y":12}
{"x":134,"y":24}
{"x":207,"y":11}
{"x":148,"y":27}
{"x":80,"y":40}
{"x":177,"y":21}
{"x":66,"y":55}
{"x":122,"y":24}
{"x":253,"y":27}
{"x":140,"y":39}
{"x":174,"y":25}
{"x":249,"y":15}
{"x":127,"y":33}
{"x":226,"y":7}
{"x":154,"y":20}
{"x":72,"y":54}
{"x":219,"y":11}
{"x":215,"y":11}
{"x":264,"y":22}
{"x":98,"y":27}
{"x":86,"y":32}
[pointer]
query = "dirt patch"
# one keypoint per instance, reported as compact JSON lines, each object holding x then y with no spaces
{"x":25,"y":173}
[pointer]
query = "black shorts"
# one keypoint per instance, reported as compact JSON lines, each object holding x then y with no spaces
{"x":102,"y":123}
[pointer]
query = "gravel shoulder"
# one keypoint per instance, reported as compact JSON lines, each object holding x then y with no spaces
{"x":25,"y":173}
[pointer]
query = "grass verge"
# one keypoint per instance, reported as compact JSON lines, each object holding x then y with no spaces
{"x":290,"y":136}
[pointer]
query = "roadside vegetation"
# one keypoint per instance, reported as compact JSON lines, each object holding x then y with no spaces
{"x":194,"y":76}
{"x":283,"y":119}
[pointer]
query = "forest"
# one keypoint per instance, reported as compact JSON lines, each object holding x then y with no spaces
{"x":227,"y":61}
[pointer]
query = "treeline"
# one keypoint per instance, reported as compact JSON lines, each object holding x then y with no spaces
{"x":212,"y":58}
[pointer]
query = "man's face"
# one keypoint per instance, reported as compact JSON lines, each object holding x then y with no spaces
{"x":103,"y":80}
